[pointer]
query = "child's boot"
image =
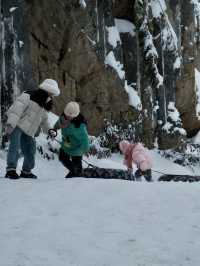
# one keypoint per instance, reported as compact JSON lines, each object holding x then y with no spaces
{"x":147,"y":175}
{"x":138,"y":175}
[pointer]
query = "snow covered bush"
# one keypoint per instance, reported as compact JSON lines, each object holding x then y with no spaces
{"x":97,"y":150}
{"x":187,"y":155}
{"x":47,"y":148}
{"x":113,"y":133}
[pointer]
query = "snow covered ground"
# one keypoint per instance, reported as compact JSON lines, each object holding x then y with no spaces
{"x":87,"y":222}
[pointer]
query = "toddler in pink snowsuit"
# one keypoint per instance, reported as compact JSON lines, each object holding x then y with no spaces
{"x":136,"y":154}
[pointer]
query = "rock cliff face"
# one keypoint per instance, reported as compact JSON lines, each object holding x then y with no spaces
{"x":187,"y":94}
{"x":68,"y":43}
{"x":131,"y":61}
{"x":15,"y":75}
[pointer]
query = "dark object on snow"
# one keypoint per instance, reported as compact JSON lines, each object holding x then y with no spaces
{"x":178,"y":178}
{"x":107,"y":173}
{"x":93,"y":171}
{"x":96,"y":172}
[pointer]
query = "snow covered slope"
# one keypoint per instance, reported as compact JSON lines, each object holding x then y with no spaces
{"x":87,"y":222}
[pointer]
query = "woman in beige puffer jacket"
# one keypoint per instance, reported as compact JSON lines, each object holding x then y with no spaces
{"x":25,"y":118}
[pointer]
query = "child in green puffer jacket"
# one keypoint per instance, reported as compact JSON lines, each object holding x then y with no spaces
{"x":75,"y":140}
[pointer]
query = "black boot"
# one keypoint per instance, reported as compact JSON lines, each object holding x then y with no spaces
{"x":70,"y":175}
{"x":76,"y":172}
{"x":12,"y":174}
{"x":138,"y":175}
{"x":28,"y":175}
{"x":147,"y":175}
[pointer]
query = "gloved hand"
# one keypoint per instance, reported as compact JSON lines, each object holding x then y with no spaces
{"x":52,"y":133}
{"x":87,"y":154}
{"x":9,"y":130}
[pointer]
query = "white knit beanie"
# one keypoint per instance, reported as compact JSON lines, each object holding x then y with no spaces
{"x":72,"y":109}
{"x":51,"y":86}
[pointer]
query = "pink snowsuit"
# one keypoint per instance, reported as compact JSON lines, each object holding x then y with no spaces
{"x":135,"y":154}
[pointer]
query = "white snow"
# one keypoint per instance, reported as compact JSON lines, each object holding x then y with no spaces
{"x":174,"y":115}
{"x":82,"y":3}
{"x":111,"y":61}
{"x":173,"y":112}
{"x":113,"y":36}
{"x":134,"y":99}
{"x":158,"y":8}
{"x":159,"y":77}
{"x":196,"y":4}
{"x":12,"y":9}
{"x":125,"y":26}
{"x":21,"y":44}
{"x":167,"y":126}
{"x":149,"y":46}
{"x":177,"y":63}
{"x":197,"y":84}
{"x":196,"y":139}
{"x":53,"y":221}
{"x":56,"y":221}
{"x":169,"y":37}
{"x":170,"y":41}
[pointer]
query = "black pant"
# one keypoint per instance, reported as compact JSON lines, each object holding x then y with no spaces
{"x":72,"y":163}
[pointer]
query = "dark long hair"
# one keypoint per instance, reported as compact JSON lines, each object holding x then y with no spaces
{"x":78,"y":120}
{"x":41,"y":98}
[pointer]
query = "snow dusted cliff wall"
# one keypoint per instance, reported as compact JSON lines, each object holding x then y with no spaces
{"x":167,"y":48}
{"x":69,"y":42}
{"x":15,"y":55}
{"x":160,"y":68}
{"x":188,"y":96}
{"x":131,"y":61}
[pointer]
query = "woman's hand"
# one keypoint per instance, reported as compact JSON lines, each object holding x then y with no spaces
{"x":9,"y":130}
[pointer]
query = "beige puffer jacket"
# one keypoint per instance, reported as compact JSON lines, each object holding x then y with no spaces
{"x":27,"y":115}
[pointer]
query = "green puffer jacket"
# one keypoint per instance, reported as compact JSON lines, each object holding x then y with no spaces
{"x":75,"y":140}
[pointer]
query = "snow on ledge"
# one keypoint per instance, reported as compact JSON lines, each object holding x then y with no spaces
{"x":82,"y":3}
{"x":197,"y":85}
{"x":125,"y":26}
{"x":177,"y":63}
{"x":158,"y":8}
{"x":111,"y":61}
{"x":12,"y":9}
{"x":173,"y":112}
{"x":134,"y":99}
{"x":113,"y":36}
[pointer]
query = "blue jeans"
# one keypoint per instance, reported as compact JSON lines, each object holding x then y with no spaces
{"x":19,"y":140}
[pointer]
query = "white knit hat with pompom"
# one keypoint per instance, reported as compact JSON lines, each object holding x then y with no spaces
{"x":51,"y":86}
